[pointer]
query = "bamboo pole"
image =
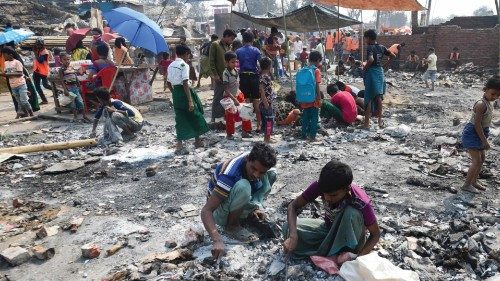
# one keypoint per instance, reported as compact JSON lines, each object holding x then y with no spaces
{"x":49,"y":146}
{"x":362,"y":37}
{"x":287,"y":43}
{"x":338,"y":37}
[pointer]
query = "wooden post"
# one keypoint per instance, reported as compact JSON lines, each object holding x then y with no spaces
{"x":338,"y":40}
{"x":48,"y":147}
{"x":287,"y":43}
{"x":362,"y":37}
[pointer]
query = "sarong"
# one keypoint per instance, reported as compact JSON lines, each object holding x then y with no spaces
{"x":347,"y":233}
{"x":188,"y":124}
{"x":374,"y":85}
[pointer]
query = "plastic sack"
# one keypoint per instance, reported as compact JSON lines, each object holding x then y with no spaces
{"x":111,"y":133}
{"x":331,"y":264}
{"x":371,"y":267}
{"x":400,"y":131}
{"x":228,"y":104}
{"x":246,"y":111}
{"x":326,"y":264}
{"x":66,"y":100}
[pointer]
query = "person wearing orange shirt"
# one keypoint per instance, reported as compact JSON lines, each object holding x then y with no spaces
{"x":396,"y":50}
{"x":454,"y":59}
{"x":329,"y":54}
{"x":355,"y":46}
{"x":41,"y":69}
{"x":337,"y":41}
{"x":347,"y":46}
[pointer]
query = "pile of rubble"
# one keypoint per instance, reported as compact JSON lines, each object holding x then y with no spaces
{"x":42,"y":17}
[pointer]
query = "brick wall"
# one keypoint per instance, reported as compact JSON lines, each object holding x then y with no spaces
{"x":480,"y":46}
{"x":473,"y":22}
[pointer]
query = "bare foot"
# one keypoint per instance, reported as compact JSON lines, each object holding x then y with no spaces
{"x":470,"y":189}
{"x":199,"y":143}
{"x":478,"y":186}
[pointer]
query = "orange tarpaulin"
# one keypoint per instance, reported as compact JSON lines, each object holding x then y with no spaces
{"x":381,"y":5}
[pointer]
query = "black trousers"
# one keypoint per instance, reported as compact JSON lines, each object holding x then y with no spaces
{"x":41,"y":79}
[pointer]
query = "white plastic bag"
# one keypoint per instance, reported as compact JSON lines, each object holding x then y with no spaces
{"x":66,"y":100}
{"x":228,"y":104}
{"x":246,"y":111}
{"x":400,"y":131}
{"x":371,"y":267}
{"x":111,"y":133}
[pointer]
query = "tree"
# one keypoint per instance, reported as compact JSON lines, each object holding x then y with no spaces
{"x":292,"y":6}
{"x":197,"y":11}
{"x":393,"y":19}
{"x":355,"y":14}
{"x":438,"y":20}
{"x":261,"y":7}
{"x":483,"y":11}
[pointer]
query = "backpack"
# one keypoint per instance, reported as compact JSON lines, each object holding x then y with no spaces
{"x":305,"y":85}
{"x":205,"y":49}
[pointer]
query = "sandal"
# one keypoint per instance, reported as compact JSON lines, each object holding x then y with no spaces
{"x":242,"y":234}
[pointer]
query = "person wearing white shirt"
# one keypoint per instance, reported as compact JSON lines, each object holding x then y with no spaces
{"x":431,"y":69}
{"x":297,"y":47}
{"x":189,"y":120}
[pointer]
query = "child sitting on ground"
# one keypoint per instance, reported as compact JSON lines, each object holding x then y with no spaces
{"x":354,"y":91}
{"x":348,"y":213}
{"x":340,"y":68}
{"x":287,"y":111}
{"x":267,"y":97}
{"x":476,"y":131}
{"x":163,"y":66}
{"x":357,"y":70}
{"x":71,"y":86}
{"x":342,"y":106}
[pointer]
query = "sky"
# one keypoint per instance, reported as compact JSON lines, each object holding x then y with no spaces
{"x":440,"y":8}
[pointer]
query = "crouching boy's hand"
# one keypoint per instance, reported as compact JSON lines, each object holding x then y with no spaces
{"x":290,"y":244}
{"x":218,"y":249}
{"x":258,"y":214}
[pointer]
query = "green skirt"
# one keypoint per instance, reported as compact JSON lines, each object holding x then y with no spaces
{"x":347,"y":233}
{"x":188,"y":124}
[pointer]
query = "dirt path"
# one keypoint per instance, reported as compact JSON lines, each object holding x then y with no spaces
{"x":118,"y":200}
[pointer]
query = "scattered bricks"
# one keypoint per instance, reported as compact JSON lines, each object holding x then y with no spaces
{"x":43,"y":253}
{"x":47,"y":231}
{"x":75,"y":224}
{"x":15,"y":255}
{"x":90,"y":251}
{"x":16,"y":203}
{"x":152,"y":170}
{"x":116,"y":247}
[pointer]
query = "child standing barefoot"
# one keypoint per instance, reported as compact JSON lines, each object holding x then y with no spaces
{"x":266,"y":99}
{"x":374,"y":77}
{"x":475,"y":134}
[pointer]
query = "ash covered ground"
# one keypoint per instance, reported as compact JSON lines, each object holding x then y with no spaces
{"x":151,"y":223}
